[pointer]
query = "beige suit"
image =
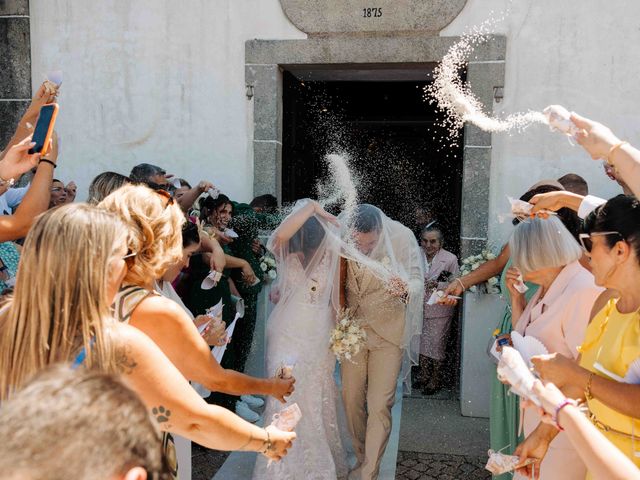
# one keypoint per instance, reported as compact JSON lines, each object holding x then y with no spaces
{"x":369,"y":381}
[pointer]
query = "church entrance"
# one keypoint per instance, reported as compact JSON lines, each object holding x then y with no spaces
{"x":403,"y":159}
{"x":404,"y":162}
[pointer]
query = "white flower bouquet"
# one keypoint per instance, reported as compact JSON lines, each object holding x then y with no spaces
{"x":472,"y":263}
{"x":348,"y":336}
{"x":268,"y":267}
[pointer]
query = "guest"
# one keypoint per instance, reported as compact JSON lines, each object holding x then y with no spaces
{"x":440,"y":266}
{"x":58,"y":194}
{"x":64,"y":316}
{"x":83,"y":414}
{"x":216,"y":214}
{"x":611,"y":349}
{"x":190,"y":245}
{"x":71,"y":189}
{"x":504,"y":407}
{"x":155,"y":239}
{"x":151,"y":175}
{"x":574,"y":183}
{"x":264,"y":204}
{"x":105,"y":184}
{"x":545,"y":253}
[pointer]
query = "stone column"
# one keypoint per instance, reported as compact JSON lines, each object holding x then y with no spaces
{"x":15,"y":65}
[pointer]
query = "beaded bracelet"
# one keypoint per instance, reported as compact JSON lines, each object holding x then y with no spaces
{"x":560,"y":406}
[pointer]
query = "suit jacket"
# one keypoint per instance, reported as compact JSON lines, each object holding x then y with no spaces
{"x":442,"y":262}
{"x":367,"y":297}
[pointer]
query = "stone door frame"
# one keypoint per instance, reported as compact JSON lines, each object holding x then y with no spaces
{"x":265,"y":60}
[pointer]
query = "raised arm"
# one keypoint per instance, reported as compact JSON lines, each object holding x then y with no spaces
{"x":601,"y":143}
{"x":602,"y":458}
{"x":177,"y":408}
{"x":295,"y":221}
{"x":190,"y":196}
{"x":483,"y":273}
{"x":36,"y":200}
{"x":27,"y":123}
{"x":175,"y":333}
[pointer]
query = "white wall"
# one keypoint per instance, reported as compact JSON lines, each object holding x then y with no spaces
{"x":153,"y":81}
{"x":577,"y":53}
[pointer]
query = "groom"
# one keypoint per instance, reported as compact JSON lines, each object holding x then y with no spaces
{"x":369,"y":380}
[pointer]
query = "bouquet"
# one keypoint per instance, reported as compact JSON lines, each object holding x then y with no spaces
{"x":268,"y":267}
{"x":471,"y":263}
{"x":348,"y":337}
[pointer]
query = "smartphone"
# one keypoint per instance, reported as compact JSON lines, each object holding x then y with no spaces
{"x":44,"y":129}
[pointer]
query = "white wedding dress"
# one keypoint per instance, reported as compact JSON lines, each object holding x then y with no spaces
{"x":298,"y":333}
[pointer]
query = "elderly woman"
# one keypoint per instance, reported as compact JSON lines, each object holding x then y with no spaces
{"x":607,"y":373}
{"x":440,"y":265}
{"x":546,"y":254}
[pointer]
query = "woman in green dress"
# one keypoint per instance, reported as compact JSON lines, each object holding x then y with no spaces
{"x":505,"y":407}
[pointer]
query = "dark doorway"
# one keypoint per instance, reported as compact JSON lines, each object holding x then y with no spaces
{"x":404,"y":159}
{"x":407,"y":163}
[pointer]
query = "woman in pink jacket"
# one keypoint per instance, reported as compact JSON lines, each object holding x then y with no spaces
{"x":440,"y":266}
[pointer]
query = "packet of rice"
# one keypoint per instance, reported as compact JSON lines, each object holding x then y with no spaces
{"x":500,"y":463}
{"x":286,"y":420}
{"x":285,"y":370}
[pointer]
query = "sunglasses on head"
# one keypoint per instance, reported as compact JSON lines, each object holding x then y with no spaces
{"x":587,"y":242}
{"x":167,"y":195}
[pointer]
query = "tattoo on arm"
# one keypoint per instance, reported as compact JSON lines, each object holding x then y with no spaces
{"x":124,"y":360}
{"x":161,"y":414}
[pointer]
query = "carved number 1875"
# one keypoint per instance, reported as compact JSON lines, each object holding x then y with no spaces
{"x":371,"y":12}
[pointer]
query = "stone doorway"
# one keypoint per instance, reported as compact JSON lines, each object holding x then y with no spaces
{"x":267,"y":60}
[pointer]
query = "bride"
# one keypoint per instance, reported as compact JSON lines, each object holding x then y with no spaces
{"x":307,"y":248}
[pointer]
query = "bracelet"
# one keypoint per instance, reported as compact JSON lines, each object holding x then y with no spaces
{"x":11,"y":181}
{"x":612,"y":151}
{"x":557,"y":412}
{"x":587,"y":390}
{"x":46,"y":160}
{"x":267,"y":443}
{"x":461,"y":284}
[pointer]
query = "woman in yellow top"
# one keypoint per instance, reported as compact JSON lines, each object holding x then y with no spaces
{"x":607,"y":375}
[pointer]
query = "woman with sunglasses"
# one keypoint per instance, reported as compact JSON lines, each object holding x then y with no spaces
{"x":155,"y":244}
{"x":607,"y":372}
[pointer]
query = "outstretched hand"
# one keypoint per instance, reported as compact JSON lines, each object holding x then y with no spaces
{"x":596,"y":138}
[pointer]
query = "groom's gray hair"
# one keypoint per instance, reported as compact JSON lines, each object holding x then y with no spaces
{"x":366,"y":218}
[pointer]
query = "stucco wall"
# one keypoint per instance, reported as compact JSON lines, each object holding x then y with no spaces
{"x":155,"y":81}
{"x":574,"y":53}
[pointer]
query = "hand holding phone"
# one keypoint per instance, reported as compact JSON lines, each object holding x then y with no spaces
{"x":44,"y":129}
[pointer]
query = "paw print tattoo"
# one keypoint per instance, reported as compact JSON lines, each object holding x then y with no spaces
{"x":162,"y":415}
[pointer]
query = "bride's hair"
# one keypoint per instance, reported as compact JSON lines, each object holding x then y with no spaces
{"x":308,"y":238}
{"x":366,"y":218}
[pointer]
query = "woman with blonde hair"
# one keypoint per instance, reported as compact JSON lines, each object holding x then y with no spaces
{"x":104,"y":184}
{"x":74,"y":262}
{"x":155,"y":244}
